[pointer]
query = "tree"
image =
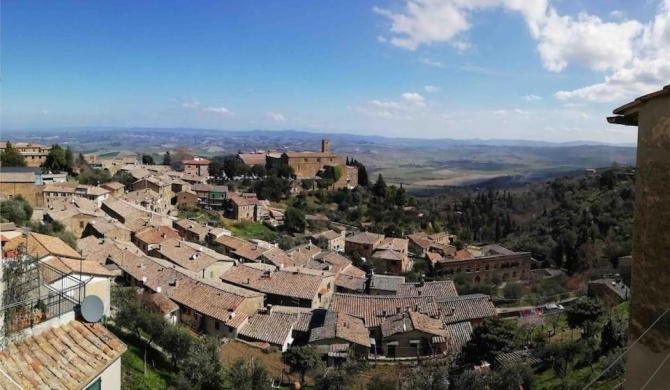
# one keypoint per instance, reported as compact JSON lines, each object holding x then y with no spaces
{"x":379,"y":188}
{"x":469,"y":380}
{"x":167,"y":159}
{"x":382,"y":383}
{"x":201,"y":368}
{"x":272,"y":188}
{"x":125,"y":178}
{"x":491,"y":337}
{"x":294,"y":220}
{"x":341,"y":377}
{"x":613,"y":336}
{"x":69,"y":158}
{"x":401,"y":197}
{"x":16,"y":210}
{"x":148,"y":159}
{"x":259,"y":170}
{"x":562,"y":355}
{"x":512,"y":377}
{"x":249,"y":375}
{"x":133,"y":315}
{"x":56,"y":160}
{"x":180,"y":154}
{"x":215,"y":169}
{"x":338,"y":172}
{"x":80,"y":163}
{"x":584,"y":313}
{"x":433,"y":378}
{"x":94,"y":176}
{"x":176,"y":341}
{"x":302,"y":360}
{"x":10,"y":157}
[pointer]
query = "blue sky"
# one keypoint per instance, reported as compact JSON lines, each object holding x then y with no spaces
{"x":531,"y":69}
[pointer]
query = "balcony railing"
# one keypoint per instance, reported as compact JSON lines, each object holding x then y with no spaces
{"x":35,"y":292}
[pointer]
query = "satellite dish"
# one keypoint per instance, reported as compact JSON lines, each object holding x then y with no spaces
{"x":159,"y":289}
{"x":92,"y":308}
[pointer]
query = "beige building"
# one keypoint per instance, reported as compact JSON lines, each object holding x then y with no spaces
{"x":197,"y":166}
{"x":63,"y":190}
{"x":34,"y":154}
{"x":363,"y":244}
{"x":20,"y":183}
{"x":332,"y":240}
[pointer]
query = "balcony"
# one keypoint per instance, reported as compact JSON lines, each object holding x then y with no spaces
{"x":34,"y":292}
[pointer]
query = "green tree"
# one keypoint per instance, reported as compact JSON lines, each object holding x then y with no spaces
{"x":259,"y":170}
{"x":340,"y":377}
{"x":81,"y":163}
{"x":338,"y":172}
{"x":294,"y":220}
{"x":16,"y":210}
{"x":148,"y":159}
{"x":176,"y":341}
{"x":250,"y":375}
{"x":401,"y":197}
{"x":10,"y":157}
{"x":302,"y":360}
{"x":382,"y":383}
{"x":379,"y":188}
{"x":469,"y":380}
{"x":584,"y":313}
{"x":562,"y":356}
{"x":215,"y":169}
{"x":512,"y":377}
{"x":125,"y":178}
{"x":56,"y":160}
{"x":69,"y":158}
{"x":94,"y":176}
{"x":201,"y":368}
{"x":491,"y":337}
{"x":613,"y":336}
{"x":427,"y":378}
{"x":272,"y":188}
{"x":167,"y":159}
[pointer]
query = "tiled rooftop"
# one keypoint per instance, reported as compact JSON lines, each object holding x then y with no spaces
{"x":373,"y":309}
{"x":386,"y":282}
{"x":343,"y":326}
{"x":41,"y":245}
{"x":439,"y":289}
{"x":260,"y":277}
{"x":273,"y":328}
{"x":466,"y":308}
{"x":155,"y":235}
{"x":188,"y":255}
{"x":66,"y":357}
{"x":365,"y":238}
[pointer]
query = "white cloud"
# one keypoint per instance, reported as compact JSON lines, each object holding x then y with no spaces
{"x":381,"y":39}
{"x":276,"y":116}
{"x":219,"y":110}
{"x":616,"y":14}
{"x":191,"y":103}
{"x":531,"y":98}
{"x":520,"y":111}
{"x":432,"y":89}
{"x":429,"y":62}
{"x":414,"y":98}
{"x":384,"y":104}
{"x":500,"y":112}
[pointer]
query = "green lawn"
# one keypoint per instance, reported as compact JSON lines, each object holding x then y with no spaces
{"x":249,"y":230}
{"x":159,"y":373}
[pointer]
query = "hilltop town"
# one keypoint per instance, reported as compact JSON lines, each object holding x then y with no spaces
{"x":265,"y":251}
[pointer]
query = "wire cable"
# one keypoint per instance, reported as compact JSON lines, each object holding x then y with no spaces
{"x":656,"y":372}
{"x":626,"y":350}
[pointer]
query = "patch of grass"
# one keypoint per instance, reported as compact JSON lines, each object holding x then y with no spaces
{"x":159,"y":373}
{"x":109,"y":154}
{"x":249,"y":230}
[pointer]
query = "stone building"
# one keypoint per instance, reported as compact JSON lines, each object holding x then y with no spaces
{"x":34,"y":154}
{"x":15,"y":182}
{"x":308,"y":164}
{"x":197,"y":166}
{"x":505,"y":267}
{"x":648,"y":365}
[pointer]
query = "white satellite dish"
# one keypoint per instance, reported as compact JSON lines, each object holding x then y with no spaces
{"x":144,"y":279}
{"x":159,"y":289}
{"x":92,"y":308}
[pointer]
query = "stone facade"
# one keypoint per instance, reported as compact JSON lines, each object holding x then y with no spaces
{"x":34,"y":154}
{"x":483,"y":269}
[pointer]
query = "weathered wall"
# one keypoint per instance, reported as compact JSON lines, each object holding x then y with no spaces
{"x":651,"y":245}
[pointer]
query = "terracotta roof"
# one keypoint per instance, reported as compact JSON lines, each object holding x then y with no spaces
{"x":237,"y":320}
{"x":422,"y":242}
{"x":198,"y":161}
{"x":252,"y":158}
{"x":440,"y":289}
{"x":351,"y":283}
{"x":160,"y":302}
{"x":463,"y":254}
{"x":411,"y":320}
{"x":329,"y":235}
{"x":332,"y":262}
{"x":310,"y":154}
{"x":309,"y":318}
{"x":241,"y":201}
{"x":192,"y":226}
{"x":112,"y":185}
{"x":87,"y":267}
{"x":231,"y":242}
{"x":156,"y":235}
{"x":341,"y":326}
{"x":188,"y":255}
{"x":458,"y":334}
{"x":276,"y":256}
{"x":394,"y":244}
{"x":66,"y":357}
{"x":250,"y":252}
{"x":303,"y":253}
{"x":201,"y":187}
{"x":466,"y":308}
{"x":107,"y":226}
{"x":41,"y":245}
{"x":433,"y":257}
{"x":365,"y":238}
{"x":386,"y":282}
{"x":260,"y":277}
{"x":388,"y":255}
{"x":273,"y":328}
{"x":373,"y":309}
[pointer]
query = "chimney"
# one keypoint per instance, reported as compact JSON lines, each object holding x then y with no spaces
{"x":325,"y":145}
{"x":269,"y":308}
{"x":248,"y":281}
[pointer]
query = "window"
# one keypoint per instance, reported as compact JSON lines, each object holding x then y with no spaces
{"x":95,"y":385}
{"x":217,"y":325}
{"x":81,"y":224}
